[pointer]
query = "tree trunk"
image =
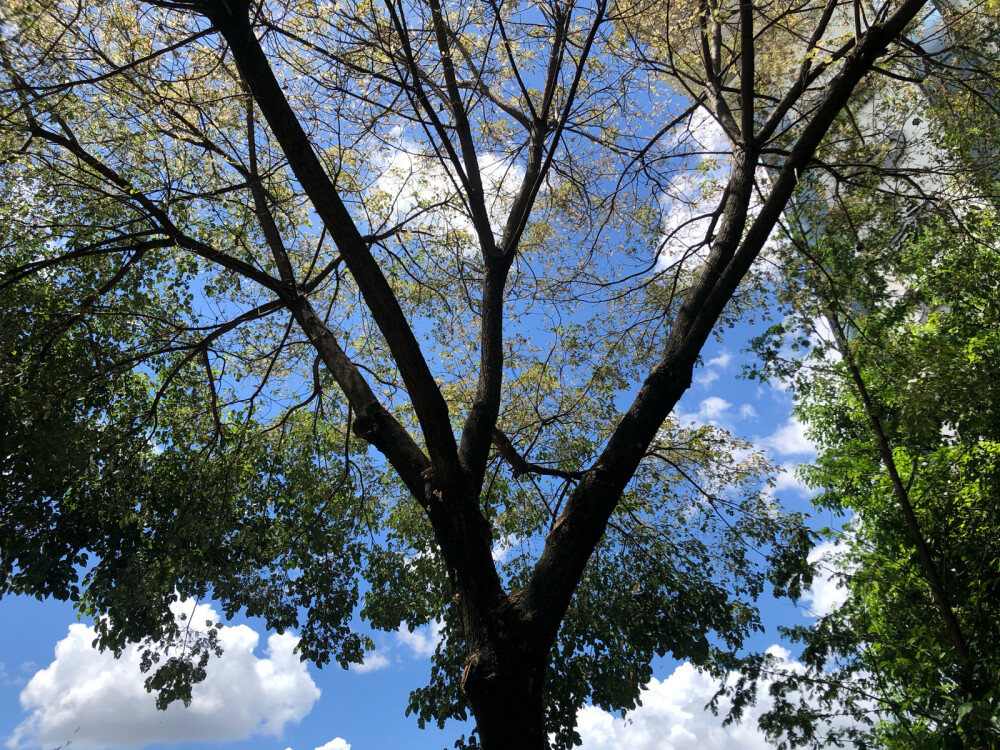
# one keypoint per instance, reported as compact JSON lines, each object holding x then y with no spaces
{"x":503,"y":685}
{"x":506,"y":657}
{"x":939,"y":594}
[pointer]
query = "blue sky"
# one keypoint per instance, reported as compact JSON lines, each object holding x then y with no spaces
{"x":55,"y":689}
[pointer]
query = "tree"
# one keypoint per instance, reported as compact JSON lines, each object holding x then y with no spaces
{"x":898,"y":389}
{"x":247,"y":242}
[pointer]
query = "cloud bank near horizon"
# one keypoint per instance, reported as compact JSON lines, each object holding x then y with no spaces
{"x":96,"y":701}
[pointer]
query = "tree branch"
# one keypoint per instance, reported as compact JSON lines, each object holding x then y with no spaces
{"x":594,"y":499}
{"x":520,"y":465}
{"x":233,"y":22}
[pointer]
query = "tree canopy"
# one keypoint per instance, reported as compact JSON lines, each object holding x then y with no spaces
{"x":890,"y":317}
{"x":899,"y":391}
{"x":382,"y":309}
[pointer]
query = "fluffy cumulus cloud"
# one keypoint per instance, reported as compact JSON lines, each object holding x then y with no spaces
{"x":711,"y":410}
{"x":713,"y":407}
{"x":827,"y":591}
{"x":415,"y":180}
{"x":787,"y":481}
{"x":97,"y":701}
{"x":789,"y":440}
{"x":374,"y":660}
{"x":691,"y":198}
{"x":673,"y":716}
{"x":421,"y":641}
{"x":712,"y":369}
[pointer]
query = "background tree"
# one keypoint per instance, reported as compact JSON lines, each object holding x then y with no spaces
{"x":902,"y":414}
{"x":246,"y":242}
{"x":892,"y":297}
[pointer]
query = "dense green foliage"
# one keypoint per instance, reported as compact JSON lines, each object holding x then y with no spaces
{"x":912,"y":320}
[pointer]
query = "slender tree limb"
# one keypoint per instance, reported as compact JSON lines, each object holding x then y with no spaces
{"x":520,"y":465}
{"x":593,"y":500}
{"x":939,"y":593}
{"x":476,"y":196}
{"x":233,"y":22}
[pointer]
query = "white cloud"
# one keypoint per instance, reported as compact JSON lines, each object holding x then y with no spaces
{"x":374,"y":660}
{"x":706,"y":377}
{"x":785,"y":480}
{"x":748,"y":412}
{"x":422,"y":641}
{"x":822,"y":337}
{"x":690,"y":200}
{"x":710,"y":372}
{"x":720,"y":361}
{"x":413,"y":180}
{"x":504,"y":546}
{"x":710,"y":411}
{"x":96,"y":701}
{"x":713,"y":407}
{"x":673,"y":716}
{"x":689,"y":207}
{"x":827,"y":591}
{"x":790,"y":440}
{"x":337,"y":743}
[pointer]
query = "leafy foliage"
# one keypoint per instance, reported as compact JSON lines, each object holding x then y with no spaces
{"x":358,"y":310}
{"x":915,"y":326}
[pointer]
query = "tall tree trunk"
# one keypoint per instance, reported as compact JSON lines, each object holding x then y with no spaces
{"x":939,"y":594}
{"x":512,"y":725}
{"x":505,"y":693}
{"x":506,"y":657}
